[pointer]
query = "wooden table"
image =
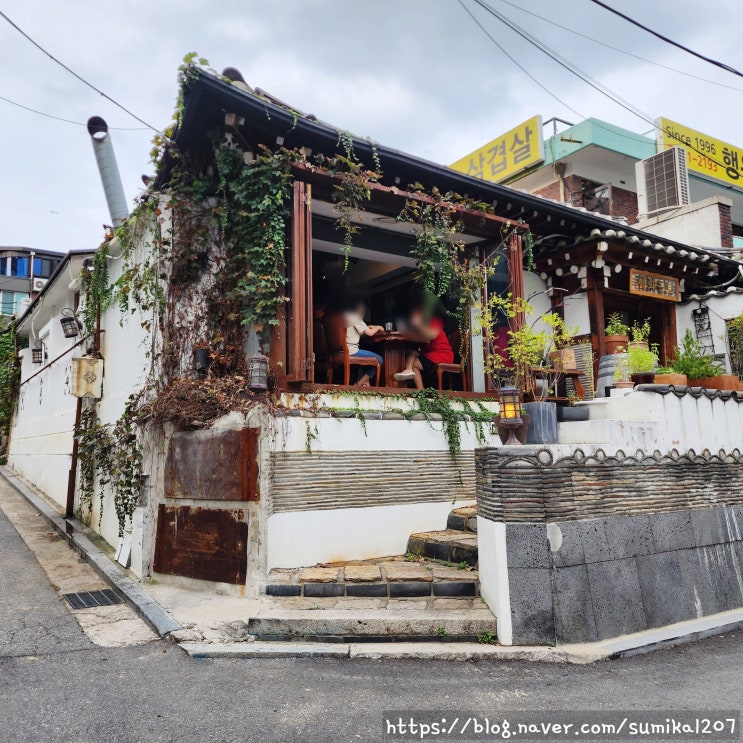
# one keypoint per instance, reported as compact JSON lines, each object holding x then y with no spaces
{"x":392,"y":347}
{"x":574,"y":374}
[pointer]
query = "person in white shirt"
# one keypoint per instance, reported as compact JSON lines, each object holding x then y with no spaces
{"x":355,"y":328}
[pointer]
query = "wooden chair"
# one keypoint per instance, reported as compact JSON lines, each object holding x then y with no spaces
{"x":338,"y":356}
{"x":455,"y":369}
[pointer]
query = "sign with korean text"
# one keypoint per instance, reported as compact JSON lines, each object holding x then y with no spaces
{"x":506,"y":155}
{"x":654,"y":285}
{"x":704,"y":154}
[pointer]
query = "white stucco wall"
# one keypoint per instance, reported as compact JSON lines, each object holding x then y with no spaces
{"x":721,"y":309}
{"x":695,"y":224}
{"x":577,"y":314}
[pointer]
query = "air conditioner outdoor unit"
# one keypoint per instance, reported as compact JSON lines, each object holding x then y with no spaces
{"x":39,"y":284}
{"x":662,"y":181}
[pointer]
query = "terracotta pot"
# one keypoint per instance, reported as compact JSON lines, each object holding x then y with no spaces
{"x":696,"y":382}
{"x":640,"y":346}
{"x":563,"y":359}
{"x":521,"y":433}
{"x":615,"y":344}
{"x":722,"y":382}
{"x":677,"y":380}
{"x":624,"y":385}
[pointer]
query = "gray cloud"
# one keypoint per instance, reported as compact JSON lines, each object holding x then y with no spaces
{"x":414,"y":74}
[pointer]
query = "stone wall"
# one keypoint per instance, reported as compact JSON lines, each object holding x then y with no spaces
{"x":587,"y":547}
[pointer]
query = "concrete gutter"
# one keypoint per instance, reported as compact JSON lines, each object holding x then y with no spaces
{"x":458,"y":651}
{"x":71,"y":530}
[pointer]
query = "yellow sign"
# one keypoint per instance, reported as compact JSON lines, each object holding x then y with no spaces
{"x":704,"y":155}
{"x":512,"y":152}
{"x":654,"y":285}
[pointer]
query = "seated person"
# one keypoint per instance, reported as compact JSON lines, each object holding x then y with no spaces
{"x":355,"y":328}
{"x":434,"y":349}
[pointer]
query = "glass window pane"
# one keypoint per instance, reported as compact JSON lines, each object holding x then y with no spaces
{"x":7,"y":303}
{"x":19,"y":266}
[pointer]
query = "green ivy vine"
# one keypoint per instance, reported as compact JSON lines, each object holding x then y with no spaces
{"x":110,"y":455}
{"x":95,"y":288}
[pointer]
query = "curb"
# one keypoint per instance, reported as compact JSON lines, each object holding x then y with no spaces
{"x":128,"y":589}
{"x":391,"y":651}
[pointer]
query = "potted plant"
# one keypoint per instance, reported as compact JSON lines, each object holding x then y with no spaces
{"x":668,"y":375}
{"x":560,"y":336}
{"x":622,"y":374}
{"x":642,"y":363}
{"x":616,"y":334}
{"x":571,"y":412}
{"x":700,"y":368}
{"x":640,"y":334}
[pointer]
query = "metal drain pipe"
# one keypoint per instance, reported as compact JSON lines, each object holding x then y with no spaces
{"x":109,"y":170}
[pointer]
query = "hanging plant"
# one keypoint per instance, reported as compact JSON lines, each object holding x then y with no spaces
{"x":95,"y":288}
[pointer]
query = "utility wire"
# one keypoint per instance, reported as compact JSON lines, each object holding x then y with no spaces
{"x":660,"y":36}
{"x":74,"y":74}
{"x":69,"y":121}
{"x":582,"y":75}
{"x":619,"y":49}
{"x":520,"y":66}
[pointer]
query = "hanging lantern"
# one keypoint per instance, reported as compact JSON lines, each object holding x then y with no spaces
{"x":70,"y":323}
{"x":38,"y":353}
{"x":509,"y":400}
{"x":258,"y":372}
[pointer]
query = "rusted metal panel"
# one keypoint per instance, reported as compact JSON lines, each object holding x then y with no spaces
{"x":204,"y":543}
{"x":213,"y":465}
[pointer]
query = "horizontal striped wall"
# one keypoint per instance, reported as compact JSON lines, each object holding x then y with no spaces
{"x":302,"y":481}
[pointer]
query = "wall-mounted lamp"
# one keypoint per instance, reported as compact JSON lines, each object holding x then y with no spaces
{"x":509,"y":401}
{"x":38,"y":353}
{"x":71,"y":326}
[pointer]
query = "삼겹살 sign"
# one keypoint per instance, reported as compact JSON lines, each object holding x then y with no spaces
{"x":704,"y":154}
{"x":508,"y":154}
{"x":654,"y":285}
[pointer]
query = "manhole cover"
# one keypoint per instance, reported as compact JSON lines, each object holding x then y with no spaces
{"x":86,"y":599}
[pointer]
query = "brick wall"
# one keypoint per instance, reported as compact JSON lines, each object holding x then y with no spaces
{"x":726,"y":226}
{"x":624,"y":203}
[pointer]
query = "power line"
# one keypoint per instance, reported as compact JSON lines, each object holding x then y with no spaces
{"x":660,"y":36}
{"x":74,"y":74}
{"x":520,"y":66}
{"x":69,"y":121}
{"x":582,"y":75}
{"x":620,"y":50}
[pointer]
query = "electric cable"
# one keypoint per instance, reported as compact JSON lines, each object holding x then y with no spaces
{"x":74,"y":74}
{"x":619,"y":49}
{"x":660,"y":36}
{"x":70,"y":121}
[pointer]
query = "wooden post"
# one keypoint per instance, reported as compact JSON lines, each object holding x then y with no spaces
{"x":516,"y":275}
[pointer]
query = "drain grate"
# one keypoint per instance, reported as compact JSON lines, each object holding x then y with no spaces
{"x":87,"y":599}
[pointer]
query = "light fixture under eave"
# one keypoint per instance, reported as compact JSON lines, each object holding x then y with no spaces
{"x":71,"y":326}
{"x":258,"y":372}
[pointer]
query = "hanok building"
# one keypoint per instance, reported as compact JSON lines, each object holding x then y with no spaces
{"x":328,"y":475}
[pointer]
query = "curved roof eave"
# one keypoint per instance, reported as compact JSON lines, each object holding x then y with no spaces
{"x":296,"y":129}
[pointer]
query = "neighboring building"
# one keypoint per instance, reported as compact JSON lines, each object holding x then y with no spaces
{"x":23,"y":274}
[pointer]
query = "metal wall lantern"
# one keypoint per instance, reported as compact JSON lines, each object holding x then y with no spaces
{"x":509,"y":401}
{"x":38,"y":353}
{"x":258,"y":372}
{"x":71,"y":326}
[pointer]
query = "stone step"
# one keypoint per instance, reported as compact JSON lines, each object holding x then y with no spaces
{"x":463,"y":519}
{"x":448,"y":545}
{"x":395,"y":578}
{"x":374,"y":625}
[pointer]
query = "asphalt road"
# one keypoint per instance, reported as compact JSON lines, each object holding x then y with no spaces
{"x":56,"y":686}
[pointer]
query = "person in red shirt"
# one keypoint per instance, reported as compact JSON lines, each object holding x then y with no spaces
{"x":434,"y":349}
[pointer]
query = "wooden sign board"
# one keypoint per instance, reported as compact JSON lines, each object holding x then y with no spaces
{"x":654,"y":285}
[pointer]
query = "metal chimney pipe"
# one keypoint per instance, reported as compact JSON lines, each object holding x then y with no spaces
{"x":109,"y":170}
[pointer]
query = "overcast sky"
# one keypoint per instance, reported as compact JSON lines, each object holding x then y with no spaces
{"x":417,"y":75}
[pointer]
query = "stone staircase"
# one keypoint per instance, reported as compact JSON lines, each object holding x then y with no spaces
{"x":456,"y":544}
{"x":430,"y":594}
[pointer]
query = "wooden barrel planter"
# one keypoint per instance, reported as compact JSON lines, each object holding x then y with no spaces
{"x":607,"y":366}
